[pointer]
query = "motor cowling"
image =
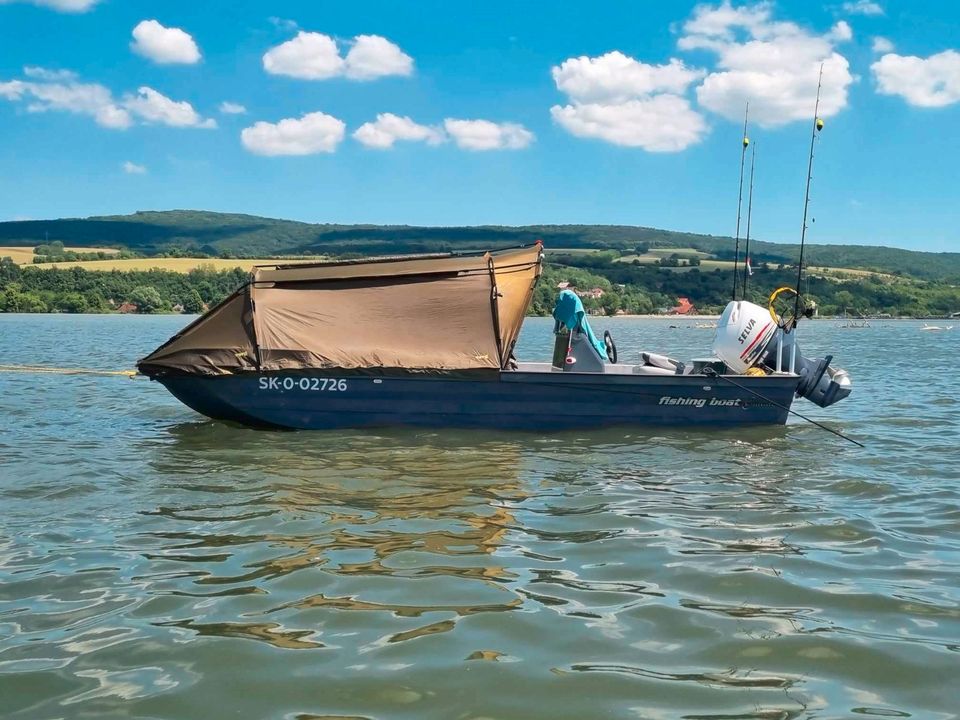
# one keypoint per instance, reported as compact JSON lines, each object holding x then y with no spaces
{"x":743,"y":333}
{"x":748,"y":336}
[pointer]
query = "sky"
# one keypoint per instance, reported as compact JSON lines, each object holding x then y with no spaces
{"x":440,"y":112}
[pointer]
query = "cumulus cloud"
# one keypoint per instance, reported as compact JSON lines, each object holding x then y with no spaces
{"x":925,"y":82}
{"x":486,"y":135}
{"x":862,"y":7}
{"x":315,"y":56}
{"x":131,"y":168}
{"x":841,"y":32}
{"x":373,"y":56}
{"x":164,"y":45}
{"x":772,"y":64}
{"x":615,"y":77}
{"x":42,"y":73}
{"x":623,"y":101}
{"x":308,"y":56}
{"x":313,"y":133}
{"x":662,"y":123}
{"x":881,"y":45}
{"x":232,"y":108}
{"x":154,"y":107}
{"x":389,"y":128}
{"x":68,"y":6}
{"x":96,"y":101}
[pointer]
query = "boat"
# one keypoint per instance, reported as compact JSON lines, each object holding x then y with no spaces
{"x":936,"y":328}
{"x":429,"y":341}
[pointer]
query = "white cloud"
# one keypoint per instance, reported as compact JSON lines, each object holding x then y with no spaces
{"x":774,"y":65}
{"x":314,"y":56}
{"x":154,"y":107}
{"x":862,"y":7}
{"x":615,"y":77}
{"x":98,"y":102}
{"x":132,"y":168}
{"x":13,"y":89}
{"x":389,"y":128}
{"x":313,"y":133}
{"x":373,"y":56}
{"x":662,"y":123}
{"x":79,"y":98}
{"x":163,"y":45}
{"x":283,"y":23}
{"x":69,"y":6}
{"x":487,"y":135}
{"x":232,"y":108}
{"x":841,"y":32}
{"x":623,"y":101}
{"x":42,"y":73}
{"x":881,"y":45}
{"x":308,"y":56}
{"x":924,"y":82}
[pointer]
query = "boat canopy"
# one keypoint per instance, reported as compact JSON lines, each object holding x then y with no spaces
{"x":439,"y":314}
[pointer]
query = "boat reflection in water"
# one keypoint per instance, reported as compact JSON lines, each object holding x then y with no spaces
{"x":336,"y":513}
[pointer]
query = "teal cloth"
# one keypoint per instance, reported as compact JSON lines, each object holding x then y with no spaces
{"x":568,"y":312}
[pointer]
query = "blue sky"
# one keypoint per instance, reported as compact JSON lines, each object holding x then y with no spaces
{"x":451,"y":113}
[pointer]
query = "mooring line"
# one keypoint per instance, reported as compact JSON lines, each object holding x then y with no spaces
{"x":66,"y":371}
{"x":713,"y":373}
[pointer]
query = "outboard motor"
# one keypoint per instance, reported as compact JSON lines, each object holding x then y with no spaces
{"x":749,"y":336}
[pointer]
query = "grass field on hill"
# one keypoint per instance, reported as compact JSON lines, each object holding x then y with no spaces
{"x":24,"y":255}
{"x":181,"y":265}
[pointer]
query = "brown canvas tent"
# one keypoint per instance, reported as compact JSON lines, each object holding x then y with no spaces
{"x":418,"y":314}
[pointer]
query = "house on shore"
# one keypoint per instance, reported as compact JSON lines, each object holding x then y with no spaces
{"x":683,"y":307}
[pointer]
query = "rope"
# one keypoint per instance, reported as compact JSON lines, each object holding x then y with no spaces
{"x":66,"y":371}
{"x":713,"y":373}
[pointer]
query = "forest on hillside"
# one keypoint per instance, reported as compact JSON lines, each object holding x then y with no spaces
{"x":233,"y":235}
{"x":634,"y":289}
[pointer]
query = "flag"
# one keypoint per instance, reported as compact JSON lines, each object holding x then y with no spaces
{"x":749,"y":267}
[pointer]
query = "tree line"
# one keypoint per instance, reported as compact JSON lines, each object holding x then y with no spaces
{"x":627,"y":287}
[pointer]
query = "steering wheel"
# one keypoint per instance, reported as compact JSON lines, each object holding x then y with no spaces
{"x":611,"y":346}
{"x":787,"y":303}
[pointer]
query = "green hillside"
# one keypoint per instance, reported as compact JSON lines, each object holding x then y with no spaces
{"x":250,"y":236}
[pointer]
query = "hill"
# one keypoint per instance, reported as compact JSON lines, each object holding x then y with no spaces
{"x":226,"y":234}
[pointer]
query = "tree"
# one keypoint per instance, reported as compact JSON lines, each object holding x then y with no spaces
{"x":610,"y":303}
{"x":147,"y":299}
{"x":192,"y":302}
{"x":71,"y":302}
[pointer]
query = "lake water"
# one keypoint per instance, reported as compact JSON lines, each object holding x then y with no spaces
{"x":154,"y":564}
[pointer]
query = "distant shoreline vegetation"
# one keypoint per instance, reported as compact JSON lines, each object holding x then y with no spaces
{"x":109,"y":264}
{"x":606,"y":286}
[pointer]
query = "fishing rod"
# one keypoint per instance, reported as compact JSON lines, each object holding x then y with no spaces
{"x":817,"y":127}
{"x":747,"y":268}
{"x":713,"y":373}
{"x":743,"y":157}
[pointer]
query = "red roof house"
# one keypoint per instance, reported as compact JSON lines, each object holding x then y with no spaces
{"x":684,"y":307}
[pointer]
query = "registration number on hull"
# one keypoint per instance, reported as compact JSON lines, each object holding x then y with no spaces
{"x":307,"y":384}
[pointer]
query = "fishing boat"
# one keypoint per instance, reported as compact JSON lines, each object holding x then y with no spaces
{"x":429,"y":341}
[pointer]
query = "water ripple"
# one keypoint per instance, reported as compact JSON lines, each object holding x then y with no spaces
{"x":172,"y":567}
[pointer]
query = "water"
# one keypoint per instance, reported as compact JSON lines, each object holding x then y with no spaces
{"x":157,"y":565}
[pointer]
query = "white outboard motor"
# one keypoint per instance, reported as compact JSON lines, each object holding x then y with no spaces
{"x":748,"y":336}
{"x":743,"y":333}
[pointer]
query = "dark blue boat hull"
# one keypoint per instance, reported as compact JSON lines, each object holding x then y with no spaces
{"x":539,"y":401}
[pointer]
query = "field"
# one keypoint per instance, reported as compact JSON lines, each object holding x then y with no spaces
{"x":24,"y":255}
{"x":182,"y":265}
